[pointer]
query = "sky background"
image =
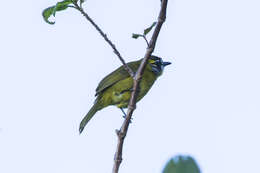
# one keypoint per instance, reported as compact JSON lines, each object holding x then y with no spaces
{"x":206,"y":104}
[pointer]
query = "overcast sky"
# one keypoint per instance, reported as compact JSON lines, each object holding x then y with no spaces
{"x":206,"y":104}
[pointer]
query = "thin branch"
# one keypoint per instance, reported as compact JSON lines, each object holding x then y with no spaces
{"x":146,"y":40}
{"x":127,"y":68}
{"x":132,"y":104}
{"x":71,"y":6}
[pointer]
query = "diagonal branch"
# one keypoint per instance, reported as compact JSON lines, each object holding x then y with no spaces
{"x":127,"y":68}
{"x":137,"y":78}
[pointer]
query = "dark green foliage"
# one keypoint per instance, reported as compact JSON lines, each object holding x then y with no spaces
{"x":53,"y":9}
{"x":82,"y":1}
{"x":147,"y":30}
{"x":136,"y":36}
{"x":181,"y":164}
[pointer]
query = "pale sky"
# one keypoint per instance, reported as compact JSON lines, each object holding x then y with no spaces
{"x":206,"y":104}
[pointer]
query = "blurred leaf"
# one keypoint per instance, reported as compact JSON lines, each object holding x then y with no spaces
{"x":147,"y":30}
{"x":52,"y":10}
{"x":136,"y":36}
{"x":181,"y":164}
{"x":62,"y":6}
{"x":47,"y":13}
{"x":82,"y":1}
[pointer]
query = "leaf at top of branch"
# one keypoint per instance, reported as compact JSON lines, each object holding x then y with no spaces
{"x":147,"y":30}
{"x":136,"y":36}
{"x":82,"y":1}
{"x":53,"y":9}
{"x":47,"y":13}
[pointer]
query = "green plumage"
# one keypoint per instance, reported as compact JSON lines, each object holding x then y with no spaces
{"x":115,"y":88}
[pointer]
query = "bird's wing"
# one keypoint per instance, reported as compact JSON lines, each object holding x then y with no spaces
{"x":116,"y":76}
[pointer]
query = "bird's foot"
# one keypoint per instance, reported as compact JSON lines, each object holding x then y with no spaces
{"x":137,"y":89}
{"x":124,"y":116}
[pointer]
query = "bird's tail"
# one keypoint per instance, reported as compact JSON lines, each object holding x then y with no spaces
{"x":87,"y":117}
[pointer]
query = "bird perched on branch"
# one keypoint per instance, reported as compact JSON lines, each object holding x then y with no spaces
{"x":115,"y":88}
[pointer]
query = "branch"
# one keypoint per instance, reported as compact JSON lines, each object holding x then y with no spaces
{"x":127,"y":68}
{"x":121,"y":134}
{"x":144,"y":37}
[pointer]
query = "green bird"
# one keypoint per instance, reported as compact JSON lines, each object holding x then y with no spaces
{"x":115,"y":88}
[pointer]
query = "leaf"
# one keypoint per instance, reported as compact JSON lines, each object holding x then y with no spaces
{"x":47,"y":13}
{"x":62,"y":6}
{"x":53,"y":9}
{"x":136,"y":36}
{"x":181,"y":164}
{"x":82,"y":1}
{"x":147,"y":30}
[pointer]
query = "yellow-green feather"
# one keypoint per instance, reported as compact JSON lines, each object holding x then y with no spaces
{"x":89,"y":115}
{"x":116,"y":76}
{"x":115,"y":89}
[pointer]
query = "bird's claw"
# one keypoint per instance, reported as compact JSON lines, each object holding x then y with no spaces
{"x":124,"y":116}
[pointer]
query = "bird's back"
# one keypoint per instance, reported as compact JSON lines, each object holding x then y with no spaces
{"x":117,"y":75}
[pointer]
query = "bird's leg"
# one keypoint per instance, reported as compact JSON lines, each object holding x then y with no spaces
{"x":137,"y":89}
{"x":124,"y":116}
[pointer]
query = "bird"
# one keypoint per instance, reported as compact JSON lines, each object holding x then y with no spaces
{"x":116,"y":87}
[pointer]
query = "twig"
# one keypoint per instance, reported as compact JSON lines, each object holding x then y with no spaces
{"x":146,"y":40}
{"x":127,"y":68}
{"x":137,"y":78}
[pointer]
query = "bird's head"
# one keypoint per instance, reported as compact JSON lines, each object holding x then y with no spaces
{"x":157,"y":64}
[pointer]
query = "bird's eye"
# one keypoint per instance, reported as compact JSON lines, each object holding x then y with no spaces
{"x":159,"y":61}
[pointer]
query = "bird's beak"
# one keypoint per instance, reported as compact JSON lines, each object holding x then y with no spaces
{"x":166,"y":63}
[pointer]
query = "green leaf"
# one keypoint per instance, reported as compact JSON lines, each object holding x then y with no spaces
{"x":47,"y":13}
{"x":181,"y":164}
{"x":82,"y":1}
{"x":62,"y":6}
{"x":135,"y":36}
{"x":52,"y":10}
{"x":147,"y":30}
